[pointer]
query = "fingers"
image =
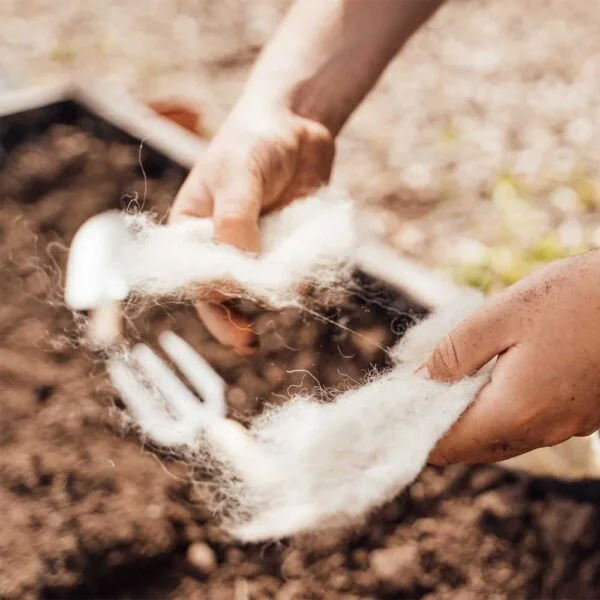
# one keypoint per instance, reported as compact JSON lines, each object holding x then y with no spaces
{"x":234,"y":203}
{"x":504,"y":420}
{"x":233,"y":199}
{"x":317,"y":158}
{"x":475,"y":437}
{"x":235,"y":216}
{"x":228,"y":327}
{"x":483,"y":335}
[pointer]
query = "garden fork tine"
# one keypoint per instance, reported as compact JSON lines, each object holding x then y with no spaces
{"x":144,"y":379}
{"x":203,"y":378}
{"x":141,"y":400}
{"x":172,"y":416}
{"x":179,"y":399}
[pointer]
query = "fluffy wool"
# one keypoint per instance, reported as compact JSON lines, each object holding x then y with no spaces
{"x":312,"y":464}
{"x":319,"y":465}
{"x":306,"y":245}
{"x":309,"y":464}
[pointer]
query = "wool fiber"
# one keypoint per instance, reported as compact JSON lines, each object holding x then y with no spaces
{"x":309,"y":464}
{"x":306,"y":245}
{"x":328,"y":464}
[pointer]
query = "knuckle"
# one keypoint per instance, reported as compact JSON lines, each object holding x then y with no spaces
{"x":316,"y":132}
{"x":526,"y":417}
{"x":324,"y":143}
{"x":446,"y":359}
{"x":559,"y":433}
{"x":271,"y":158}
{"x":232,"y":219}
{"x":437,"y":459}
{"x":441,"y":455}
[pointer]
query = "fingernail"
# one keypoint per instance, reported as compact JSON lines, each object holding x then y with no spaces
{"x":423,"y":373}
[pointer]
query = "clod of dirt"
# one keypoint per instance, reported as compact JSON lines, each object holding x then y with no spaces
{"x":397,"y":568}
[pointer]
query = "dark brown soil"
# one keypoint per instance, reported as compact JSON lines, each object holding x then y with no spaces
{"x":89,"y":512}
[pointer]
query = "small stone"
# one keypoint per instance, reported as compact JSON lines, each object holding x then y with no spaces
{"x":304,"y":361}
{"x":155,"y":511}
{"x":365,"y":581}
{"x":360,"y":558}
{"x":496,"y":505}
{"x":193,"y":532}
{"x":292,"y":590}
{"x":202,"y":557}
{"x":393,"y":511}
{"x":326,"y":543}
{"x":235,"y":556}
{"x":396,"y":567}
{"x":293,"y":564}
{"x":336,"y":561}
{"x":340,"y":580}
{"x":274,"y":373}
{"x":237,"y":399}
{"x":308,"y":334}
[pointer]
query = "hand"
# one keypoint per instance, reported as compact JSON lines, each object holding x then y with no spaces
{"x":545,"y":385}
{"x":259,"y":160}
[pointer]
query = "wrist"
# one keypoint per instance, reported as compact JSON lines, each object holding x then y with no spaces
{"x":262,"y":107}
{"x":301,"y":99}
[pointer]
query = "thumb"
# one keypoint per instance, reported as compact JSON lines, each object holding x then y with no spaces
{"x":194,"y":198}
{"x":234,"y":205}
{"x":237,"y":206}
{"x":473,"y":343}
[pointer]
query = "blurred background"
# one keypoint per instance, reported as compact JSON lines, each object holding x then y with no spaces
{"x":480,"y":143}
{"x":479,"y":154}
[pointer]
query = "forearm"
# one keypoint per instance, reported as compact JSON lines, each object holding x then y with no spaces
{"x":328,"y":54}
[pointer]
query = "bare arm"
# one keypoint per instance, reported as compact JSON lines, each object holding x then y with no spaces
{"x":278,"y":143}
{"x":326,"y":56}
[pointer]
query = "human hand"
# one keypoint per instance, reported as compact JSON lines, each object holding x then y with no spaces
{"x":545,"y":385}
{"x":260,"y":159}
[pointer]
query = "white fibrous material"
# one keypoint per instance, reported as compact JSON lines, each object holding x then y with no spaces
{"x":306,"y":245}
{"x":311,"y":464}
{"x":318,"y":465}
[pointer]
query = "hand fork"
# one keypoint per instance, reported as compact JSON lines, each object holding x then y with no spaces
{"x":171,"y":415}
{"x":166,"y":410}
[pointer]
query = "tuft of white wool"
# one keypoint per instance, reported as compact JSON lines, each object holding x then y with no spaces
{"x":307,"y":243}
{"x":318,"y":465}
{"x":421,"y":340}
{"x":311,"y":465}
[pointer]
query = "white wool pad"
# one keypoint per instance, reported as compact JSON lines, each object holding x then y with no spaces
{"x":309,"y":464}
{"x":321,"y":464}
{"x":309,"y":242}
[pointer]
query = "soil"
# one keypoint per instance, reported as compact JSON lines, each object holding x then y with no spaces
{"x":89,"y":512}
